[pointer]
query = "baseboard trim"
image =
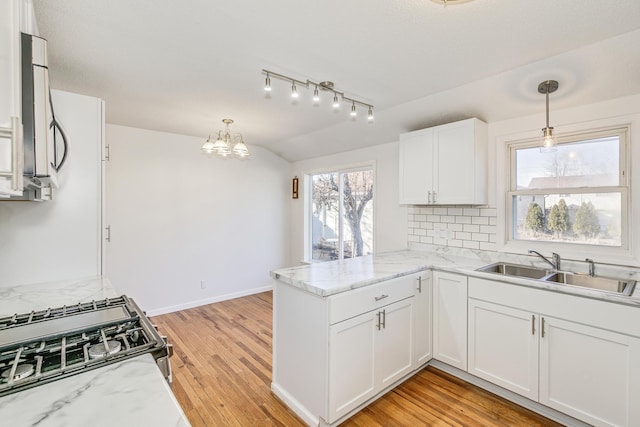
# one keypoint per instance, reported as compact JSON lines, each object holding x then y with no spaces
{"x":293,"y":404}
{"x":536,"y":407}
{"x":198,"y":303}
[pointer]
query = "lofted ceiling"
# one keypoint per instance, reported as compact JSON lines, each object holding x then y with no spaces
{"x":183,"y":66}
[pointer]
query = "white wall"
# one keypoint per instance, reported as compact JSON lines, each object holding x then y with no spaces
{"x":390,"y":228}
{"x":60,"y":239}
{"x":179,"y":217}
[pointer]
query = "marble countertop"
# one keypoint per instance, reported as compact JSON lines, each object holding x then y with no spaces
{"x":329,"y":278}
{"x":132,"y":392}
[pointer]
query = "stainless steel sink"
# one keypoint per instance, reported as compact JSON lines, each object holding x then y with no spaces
{"x":600,"y":283}
{"x":516,"y":270}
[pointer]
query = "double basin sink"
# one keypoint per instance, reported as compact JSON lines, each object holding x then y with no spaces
{"x":599,"y":283}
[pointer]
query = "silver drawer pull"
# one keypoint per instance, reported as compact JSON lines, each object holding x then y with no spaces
{"x":383,"y":296}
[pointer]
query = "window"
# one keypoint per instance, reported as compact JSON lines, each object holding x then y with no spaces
{"x":577,"y":194}
{"x":341,"y":214}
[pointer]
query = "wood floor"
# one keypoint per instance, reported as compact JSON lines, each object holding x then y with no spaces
{"x":222,"y":377}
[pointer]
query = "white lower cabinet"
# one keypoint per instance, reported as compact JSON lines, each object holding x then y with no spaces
{"x":369,"y":353}
{"x":503,"y":347}
{"x":352,"y":358}
{"x":333,"y":354}
{"x":450,"y":319}
{"x":589,"y":373}
{"x":422,"y":321}
{"x":575,"y":364}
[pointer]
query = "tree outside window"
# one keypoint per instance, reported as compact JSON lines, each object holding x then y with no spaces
{"x":341,"y":214}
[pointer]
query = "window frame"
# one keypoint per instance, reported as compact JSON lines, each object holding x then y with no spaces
{"x":624,"y":189}
{"x":308,"y":206}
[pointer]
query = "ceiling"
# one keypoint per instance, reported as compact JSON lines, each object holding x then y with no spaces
{"x":183,"y":66}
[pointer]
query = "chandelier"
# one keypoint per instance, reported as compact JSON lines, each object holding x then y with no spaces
{"x":225,"y":146}
{"x":327,"y":86}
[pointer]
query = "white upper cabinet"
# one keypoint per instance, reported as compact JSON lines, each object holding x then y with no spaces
{"x":444,"y":165}
{"x":16,"y":16}
{"x":10,"y":123}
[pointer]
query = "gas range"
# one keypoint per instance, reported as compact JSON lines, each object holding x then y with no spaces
{"x":47,"y":345}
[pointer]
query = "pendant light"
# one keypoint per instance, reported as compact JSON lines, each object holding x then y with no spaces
{"x":549,"y":142}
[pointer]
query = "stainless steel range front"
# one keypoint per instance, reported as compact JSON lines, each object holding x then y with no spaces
{"x":44,"y":346}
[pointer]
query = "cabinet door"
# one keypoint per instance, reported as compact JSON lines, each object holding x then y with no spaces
{"x":450,"y":319}
{"x":395,"y":342}
{"x":352,"y":361}
{"x":422,"y":320}
{"x":416,"y":158}
{"x":589,"y":373}
{"x":454,"y":170}
{"x":503,"y":347}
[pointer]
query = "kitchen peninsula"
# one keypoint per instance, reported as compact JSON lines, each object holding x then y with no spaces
{"x":345,"y":332}
{"x":128,"y":392}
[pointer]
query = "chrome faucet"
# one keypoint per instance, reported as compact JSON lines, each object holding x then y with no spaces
{"x":592,"y":267}
{"x":554,"y":256}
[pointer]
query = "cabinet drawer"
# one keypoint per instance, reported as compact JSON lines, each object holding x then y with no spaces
{"x":352,"y":303}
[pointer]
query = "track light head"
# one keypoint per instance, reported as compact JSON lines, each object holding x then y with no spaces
{"x":336,"y":103}
{"x":353,"y":109}
{"x":267,"y":84}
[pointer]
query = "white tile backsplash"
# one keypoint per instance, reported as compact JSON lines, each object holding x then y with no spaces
{"x":453,"y":226}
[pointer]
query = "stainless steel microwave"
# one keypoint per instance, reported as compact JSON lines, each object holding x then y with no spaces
{"x":45,"y":142}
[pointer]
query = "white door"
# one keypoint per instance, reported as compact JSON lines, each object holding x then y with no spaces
{"x":416,"y":157}
{"x":422,"y":320}
{"x":454,"y":172}
{"x":589,"y":373}
{"x":450,"y":319}
{"x":352,"y":359}
{"x":395,"y":342}
{"x":503,"y":347}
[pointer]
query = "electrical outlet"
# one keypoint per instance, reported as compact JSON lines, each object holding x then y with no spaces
{"x":203,"y":284}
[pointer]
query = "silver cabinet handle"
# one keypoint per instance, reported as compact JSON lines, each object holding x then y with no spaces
{"x":384,"y":319}
{"x":420,"y":284}
{"x":108,"y":238}
{"x":533,"y":324}
{"x":542,"y":328}
{"x":378,"y":325}
{"x":383,"y":296}
{"x":434,"y":197}
{"x":429,"y":198}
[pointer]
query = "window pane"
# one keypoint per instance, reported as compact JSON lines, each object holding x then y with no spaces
{"x":589,"y":218}
{"x":325,"y":216}
{"x":358,"y":213}
{"x":590,"y":163}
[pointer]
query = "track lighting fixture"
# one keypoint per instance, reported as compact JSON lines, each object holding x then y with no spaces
{"x":338,"y":96}
{"x":549,"y":142}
